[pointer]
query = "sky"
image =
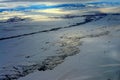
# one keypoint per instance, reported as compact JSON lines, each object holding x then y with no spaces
{"x":45,"y":0}
{"x":14,"y":3}
{"x":33,"y":7}
{"x":56,"y":0}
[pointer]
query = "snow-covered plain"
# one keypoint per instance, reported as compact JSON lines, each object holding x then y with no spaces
{"x":65,"y":47}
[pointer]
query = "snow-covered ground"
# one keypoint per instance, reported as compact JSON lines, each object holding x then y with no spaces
{"x":67,"y":47}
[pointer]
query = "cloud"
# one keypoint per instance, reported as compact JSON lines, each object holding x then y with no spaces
{"x":27,"y":6}
{"x":110,"y":10}
{"x":46,"y":0}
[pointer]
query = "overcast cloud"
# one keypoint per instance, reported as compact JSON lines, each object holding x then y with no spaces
{"x":46,"y":0}
{"x":56,"y":0}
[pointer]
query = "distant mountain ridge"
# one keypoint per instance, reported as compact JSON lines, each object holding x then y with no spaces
{"x":14,"y":19}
